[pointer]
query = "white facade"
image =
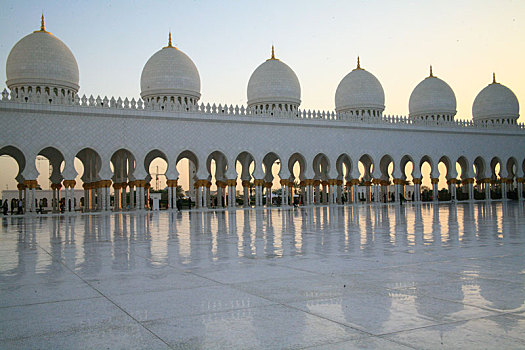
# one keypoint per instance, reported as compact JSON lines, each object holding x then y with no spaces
{"x":328,"y":146}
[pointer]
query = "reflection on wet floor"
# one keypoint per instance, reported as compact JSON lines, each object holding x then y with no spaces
{"x":419,"y":276}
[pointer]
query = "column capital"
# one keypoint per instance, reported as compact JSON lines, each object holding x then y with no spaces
{"x":140,"y":183}
{"x":416,"y":181}
{"x":467,"y":181}
{"x":171,"y":183}
{"x":268,"y":184}
{"x":231,"y":182}
{"x":520,"y":179}
{"x":284,"y":182}
{"x":31,"y":183}
{"x":21,"y":187}
{"x":434,"y":180}
{"x":399,"y":181}
{"x":258,"y":182}
{"x":246,"y":183}
{"x":452,"y":181}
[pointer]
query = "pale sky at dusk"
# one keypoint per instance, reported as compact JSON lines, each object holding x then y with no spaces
{"x":465,"y":41}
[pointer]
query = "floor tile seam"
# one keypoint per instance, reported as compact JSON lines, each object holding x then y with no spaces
{"x":185,"y":316}
{"x":472,"y":305}
{"x":309,"y":313}
{"x":451,"y":322}
{"x":50,"y":302}
{"x":363,"y":338}
{"x":112,"y":302}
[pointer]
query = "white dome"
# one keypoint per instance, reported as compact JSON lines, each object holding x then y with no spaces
{"x":430,"y":97}
{"x":41,"y":59}
{"x":170,"y":72}
{"x":495,"y":101}
{"x":273,"y":82}
{"x":359,"y":90}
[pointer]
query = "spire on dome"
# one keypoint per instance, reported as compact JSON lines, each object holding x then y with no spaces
{"x":431,"y":75}
{"x":493,"y":78}
{"x":273,"y":55}
{"x":42,"y":25}
{"x":169,"y":41}
{"x":358,"y":63}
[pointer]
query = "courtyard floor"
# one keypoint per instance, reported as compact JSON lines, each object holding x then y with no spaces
{"x":371,"y":277}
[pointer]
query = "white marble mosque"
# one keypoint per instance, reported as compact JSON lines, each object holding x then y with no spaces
{"x":334,"y":151}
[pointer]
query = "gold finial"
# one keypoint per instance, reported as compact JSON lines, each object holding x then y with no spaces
{"x":493,"y":78}
{"x":169,"y":41}
{"x":358,"y":63}
{"x":42,"y":24}
{"x":273,"y":53}
{"x":431,"y":75}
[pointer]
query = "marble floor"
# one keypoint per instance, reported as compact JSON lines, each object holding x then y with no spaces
{"x":366,"y":277}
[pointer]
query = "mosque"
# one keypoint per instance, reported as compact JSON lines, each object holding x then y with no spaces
{"x":321,"y":155}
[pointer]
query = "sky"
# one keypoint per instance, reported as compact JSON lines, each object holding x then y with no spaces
{"x":464,"y":41}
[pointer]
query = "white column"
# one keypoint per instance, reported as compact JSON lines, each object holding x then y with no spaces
{"x":435,"y":191}
{"x":487,"y":191}
{"x":520,"y":190}
{"x":132,"y":202}
{"x":503,"y":189}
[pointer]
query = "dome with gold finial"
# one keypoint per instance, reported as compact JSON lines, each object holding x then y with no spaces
{"x":42,"y":62}
{"x":274,"y":85}
{"x":496,"y":103}
{"x":432,"y":99}
{"x":359,"y":92}
{"x":170,"y":75}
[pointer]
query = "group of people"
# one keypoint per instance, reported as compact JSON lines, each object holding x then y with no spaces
{"x":15,"y":204}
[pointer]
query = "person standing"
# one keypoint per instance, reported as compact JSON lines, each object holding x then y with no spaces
{"x":5,"y":207}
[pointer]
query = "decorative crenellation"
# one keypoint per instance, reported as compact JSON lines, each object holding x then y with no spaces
{"x":49,"y":98}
